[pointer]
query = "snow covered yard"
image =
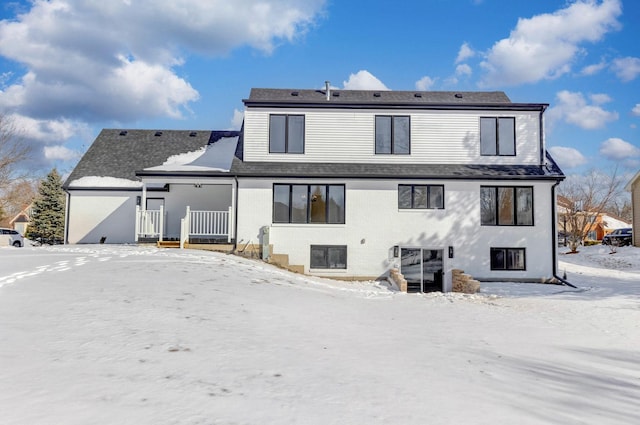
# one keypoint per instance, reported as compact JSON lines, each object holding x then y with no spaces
{"x":135,"y":335}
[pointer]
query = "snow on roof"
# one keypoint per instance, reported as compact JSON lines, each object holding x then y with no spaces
{"x":102,"y":181}
{"x":217,"y":156}
{"x":613,"y":223}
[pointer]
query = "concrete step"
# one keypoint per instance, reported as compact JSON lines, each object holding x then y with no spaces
{"x":282,"y":260}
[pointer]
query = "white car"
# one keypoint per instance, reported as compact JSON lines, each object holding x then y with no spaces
{"x":11,"y":237}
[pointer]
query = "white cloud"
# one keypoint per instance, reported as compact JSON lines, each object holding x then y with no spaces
{"x":463,"y":69}
{"x":617,"y":149}
{"x":363,"y":80}
{"x":567,"y":157}
{"x":573,"y":108}
{"x":543,"y":47}
{"x":626,"y":69}
{"x":425,"y":83}
{"x":99,"y":61}
{"x":600,"y":98}
{"x":47,"y":131}
{"x":636,"y":109}
{"x":594,"y":68}
{"x":62,"y":153}
{"x":238,"y":118}
{"x":465,"y":53}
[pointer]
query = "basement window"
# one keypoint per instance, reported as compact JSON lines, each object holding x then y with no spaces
{"x":328,"y":257}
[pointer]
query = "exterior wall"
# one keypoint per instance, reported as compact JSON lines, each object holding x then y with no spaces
{"x":94,"y":214}
{"x":374,"y":225}
{"x":437,"y":137}
{"x":635,"y":201}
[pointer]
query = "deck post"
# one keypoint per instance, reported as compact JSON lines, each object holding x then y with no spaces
{"x":161,"y":223}
{"x":230,"y":225}
{"x":137,"y":225}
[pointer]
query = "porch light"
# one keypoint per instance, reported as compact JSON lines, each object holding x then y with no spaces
{"x":396,"y":251}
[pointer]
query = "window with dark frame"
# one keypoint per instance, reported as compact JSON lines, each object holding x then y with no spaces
{"x":508,"y":259}
{"x":393,"y":134}
{"x":328,"y":257}
{"x":506,"y":205}
{"x":498,"y":136}
{"x":420,"y":196}
{"x":286,"y":133}
{"x":308,"y":203}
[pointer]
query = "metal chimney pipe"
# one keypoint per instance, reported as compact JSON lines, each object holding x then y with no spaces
{"x":327,"y":87}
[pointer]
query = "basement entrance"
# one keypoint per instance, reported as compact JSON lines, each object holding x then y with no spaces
{"x":422,"y":269}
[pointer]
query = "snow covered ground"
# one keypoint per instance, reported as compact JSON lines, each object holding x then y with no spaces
{"x":106,"y":334}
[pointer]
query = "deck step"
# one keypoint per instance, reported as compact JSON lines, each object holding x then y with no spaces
{"x":168,"y":244}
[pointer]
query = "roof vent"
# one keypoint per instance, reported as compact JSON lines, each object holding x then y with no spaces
{"x":376,"y":94}
{"x":123,"y":132}
{"x":295,"y":93}
{"x":158,"y":133}
{"x":417,"y":95}
{"x":336,"y":94}
{"x":327,"y":88}
{"x":193,"y":134}
{"x":458,"y":95}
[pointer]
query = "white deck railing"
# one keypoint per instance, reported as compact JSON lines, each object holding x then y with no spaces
{"x":206,"y":223}
{"x":149,"y":223}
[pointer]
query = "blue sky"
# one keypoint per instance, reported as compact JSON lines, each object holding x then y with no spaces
{"x":69,"y":68}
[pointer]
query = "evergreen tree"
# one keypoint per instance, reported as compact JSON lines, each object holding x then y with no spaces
{"x":47,"y":221}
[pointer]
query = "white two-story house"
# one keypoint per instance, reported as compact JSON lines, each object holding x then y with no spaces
{"x":352,"y":183}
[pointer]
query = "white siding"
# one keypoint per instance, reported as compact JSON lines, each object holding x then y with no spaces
{"x":437,"y":137}
{"x":374,"y":224}
{"x":94,"y":214}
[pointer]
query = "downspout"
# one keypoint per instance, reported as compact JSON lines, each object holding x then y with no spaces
{"x":554,"y":244}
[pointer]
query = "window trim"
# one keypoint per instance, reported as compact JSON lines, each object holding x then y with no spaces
{"x":514,"y":206}
{"x":286,"y":133}
{"x":326,"y":248}
{"x":497,"y":138}
{"x":392,"y":135}
{"x":506,"y":250}
{"x":428,"y":207}
{"x":308,"y":206}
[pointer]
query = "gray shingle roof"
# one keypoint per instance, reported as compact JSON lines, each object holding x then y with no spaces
{"x":404,"y":171}
{"x":120,"y":153}
{"x":376,"y":97}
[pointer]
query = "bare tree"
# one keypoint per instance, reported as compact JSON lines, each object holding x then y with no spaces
{"x":13,"y":150}
{"x":587,"y":197}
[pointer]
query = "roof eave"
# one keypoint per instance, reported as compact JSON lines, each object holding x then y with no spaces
{"x":397,"y":105}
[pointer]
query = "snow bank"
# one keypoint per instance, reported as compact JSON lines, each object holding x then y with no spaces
{"x":102,"y":181}
{"x":107,"y":334}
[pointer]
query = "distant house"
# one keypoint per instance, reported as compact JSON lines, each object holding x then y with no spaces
{"x":21,"y":221}
{"x":634,"y":187}
{"x":596,"y":225}
{"x":342,"y":183}
{"x":603,"y":224}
